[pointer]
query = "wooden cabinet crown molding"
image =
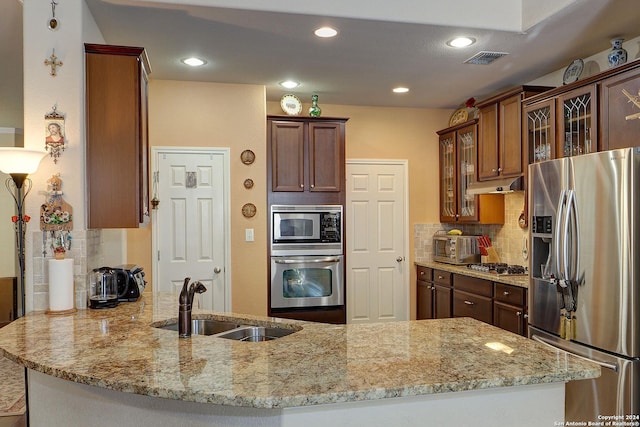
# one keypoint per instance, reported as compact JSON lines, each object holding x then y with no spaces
{"x":306,"y":119}
{"x":511,"y":92}
{"x":583,"y":82}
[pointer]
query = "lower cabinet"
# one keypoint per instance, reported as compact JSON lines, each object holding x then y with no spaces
{"x":434,"y":294}
{"x":441,"y":294}
{"x":509,"y":308}
{"x":472,"y":298}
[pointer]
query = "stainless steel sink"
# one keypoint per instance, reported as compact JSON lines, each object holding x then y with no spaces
{"x":204,"y":326}
{"x":256,"y":333}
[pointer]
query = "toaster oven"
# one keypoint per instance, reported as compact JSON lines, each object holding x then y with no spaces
{"x":456,"y":249}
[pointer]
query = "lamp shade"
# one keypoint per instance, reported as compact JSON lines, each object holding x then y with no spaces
{"x":20,"y":160}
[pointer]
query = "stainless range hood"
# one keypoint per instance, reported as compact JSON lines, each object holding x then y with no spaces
{"x":496,"y":186}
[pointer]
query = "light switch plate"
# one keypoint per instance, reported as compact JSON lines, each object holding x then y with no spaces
{"x":248,"y":234}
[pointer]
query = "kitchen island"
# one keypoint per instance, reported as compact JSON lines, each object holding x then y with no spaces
{"x":112,"y":367}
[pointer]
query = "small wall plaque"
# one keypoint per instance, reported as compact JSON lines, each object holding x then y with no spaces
{"x":247,"y":157}
{"x":249,"y":210}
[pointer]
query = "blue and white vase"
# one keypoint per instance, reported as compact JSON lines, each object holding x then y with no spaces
{"x":618,"y":55}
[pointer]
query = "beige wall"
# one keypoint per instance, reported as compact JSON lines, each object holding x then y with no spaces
{"x":193,"y":114}
{"x":396,"y":133}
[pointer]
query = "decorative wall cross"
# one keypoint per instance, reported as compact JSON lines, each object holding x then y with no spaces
{"x":53,"y":62}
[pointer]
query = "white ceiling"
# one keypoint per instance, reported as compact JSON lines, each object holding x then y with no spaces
{"x":399,"y":43}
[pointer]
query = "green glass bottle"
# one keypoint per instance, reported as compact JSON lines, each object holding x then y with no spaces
{"x":314,"y":110}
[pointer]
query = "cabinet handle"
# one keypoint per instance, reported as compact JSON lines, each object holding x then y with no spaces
{"x":494,"y":170}
{"x":505,"y":293}
{"x":312,"y":185}
{"x":469,"y":302}
{"x":499,"y":169}
{"x":457,"y":215}
{"x":518,"y":313}
{"x":422,"y":273}
{"x":526,"y":316}
{"x":301,"y":185}
{"x":440,"y":277}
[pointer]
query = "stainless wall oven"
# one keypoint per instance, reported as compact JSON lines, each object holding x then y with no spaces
{"x":307,"y":259}
{"x":307,"y":281}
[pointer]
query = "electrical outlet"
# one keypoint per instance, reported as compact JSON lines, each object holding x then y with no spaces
{"x":248,"y":234}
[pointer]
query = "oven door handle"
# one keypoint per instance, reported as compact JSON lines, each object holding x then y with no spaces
{"x":306,"y":261}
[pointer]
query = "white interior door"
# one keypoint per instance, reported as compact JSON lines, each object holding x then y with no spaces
{"x":377,"y":233}
{"x":190,"y":223}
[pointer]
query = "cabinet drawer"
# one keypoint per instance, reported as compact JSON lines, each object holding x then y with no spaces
{"x":509,"y":294}
{"x":425,"y":273}
{"x":442,"y":277}
{"x":469,"y":305}
{"x":473,"y":284}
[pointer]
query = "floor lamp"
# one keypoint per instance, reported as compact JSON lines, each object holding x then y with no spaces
{"x":18,"y":163}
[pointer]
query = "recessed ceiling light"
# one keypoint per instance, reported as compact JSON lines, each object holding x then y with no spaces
{"x":400,"y":89}
{"x":193,"y":61}
{"x":461,"y":42}
{"x":326,"y":32}
{"x":289,"y":84}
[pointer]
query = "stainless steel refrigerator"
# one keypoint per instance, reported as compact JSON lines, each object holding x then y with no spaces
{"x":584,"y":293}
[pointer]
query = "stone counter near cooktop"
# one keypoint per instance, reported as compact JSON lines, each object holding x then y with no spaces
{"x":521,"y":280}
{"x":117,"y":349}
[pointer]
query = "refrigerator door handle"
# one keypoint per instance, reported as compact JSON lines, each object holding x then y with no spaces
{"x":572,"y":263}
{"x":555,"y":346}
{"x":558,"y":233}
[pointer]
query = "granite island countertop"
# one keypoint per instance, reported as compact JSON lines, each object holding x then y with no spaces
{"x":521,"y":280}
{"x":117,"y":349}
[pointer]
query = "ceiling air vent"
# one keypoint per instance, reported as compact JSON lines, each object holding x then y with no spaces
{"x":485,"y":58}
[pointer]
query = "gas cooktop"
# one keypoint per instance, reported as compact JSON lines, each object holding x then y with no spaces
{"x":499,"y":268}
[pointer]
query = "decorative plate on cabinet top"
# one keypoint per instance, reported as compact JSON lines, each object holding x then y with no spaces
{"x":291,"y":104}
{"x":461,"y":115}
{"x":573,"y":71}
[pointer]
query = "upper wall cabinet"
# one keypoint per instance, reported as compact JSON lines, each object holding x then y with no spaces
{"x":117,"y":136}
{"x":306,"y":156}
{"x":600,"y":112}
{"x":457,"y":173}
{"x":500,"y":153}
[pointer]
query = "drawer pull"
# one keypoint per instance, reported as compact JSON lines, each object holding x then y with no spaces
{"x":506,"y":293}
{"x":518,"y":313}
{"x":422,"y":273}
{"x":440,"y":277}
{"x":469,"y":302}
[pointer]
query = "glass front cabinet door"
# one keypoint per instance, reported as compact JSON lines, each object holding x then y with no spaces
{"x":457,"y":171}
{"x":577,"y":128}
{"x":541,"y":130}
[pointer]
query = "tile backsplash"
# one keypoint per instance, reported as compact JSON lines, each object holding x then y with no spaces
{"x":85,"y":251}
{"x":508,"y":239}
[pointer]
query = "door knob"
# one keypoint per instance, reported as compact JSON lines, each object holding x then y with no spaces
{"x":400,"y":259}
{"x":217,"y":270}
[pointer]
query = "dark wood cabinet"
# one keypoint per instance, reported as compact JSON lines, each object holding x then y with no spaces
{"x":500,"y":148}
{"x":472,"y":298}
{"x":442,"y":294}
{"x":117,"y":142}
{"x":306,"y":154}
{"x":597,"y":113}
{"x":434,"y":293}
{"x":620,"y":110}
{"x":509,"y":308}
{"x":458,"y":151}
{"x":425,"y":293}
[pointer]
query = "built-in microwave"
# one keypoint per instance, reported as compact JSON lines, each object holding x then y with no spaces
{"x":306,"y":230}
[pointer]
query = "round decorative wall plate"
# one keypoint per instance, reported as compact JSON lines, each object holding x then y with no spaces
{"x":461,"y":115}
{"x":247,"y":157}
{"x":248,"y":183}
{"x":573,"y":71}
{"x":249,"y":210}
{"x":291,"y":104}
